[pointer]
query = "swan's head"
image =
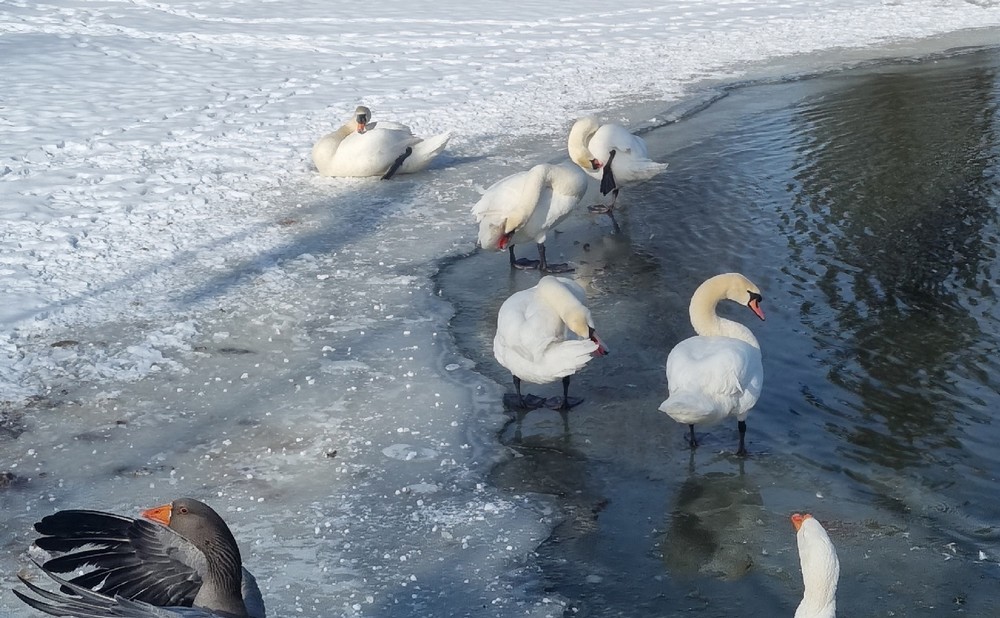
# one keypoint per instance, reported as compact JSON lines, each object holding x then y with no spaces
{"x":581,"y":325}
{"x":565,"y":296}
{"x":741,"y":290}
{"x":362,"y":116}
{"x":579,"y":136}
{"x":820,"y":567}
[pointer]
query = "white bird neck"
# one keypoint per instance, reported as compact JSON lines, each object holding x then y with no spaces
{"x":573,"y":313}
{"x":707,"y":322}
{"x":820,"y":573}
{"x":579,"y":140}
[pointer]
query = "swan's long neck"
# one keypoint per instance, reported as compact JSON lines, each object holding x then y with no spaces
{"x":579,"y":140}
{"x":708,"y":323}
{"x":344,"y":131}
{"x":568,"y":307}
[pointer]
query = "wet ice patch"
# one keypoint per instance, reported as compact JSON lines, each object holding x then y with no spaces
{"x":409,"y":452}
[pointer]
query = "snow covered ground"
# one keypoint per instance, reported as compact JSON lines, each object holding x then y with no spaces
{"x":189,"y":310}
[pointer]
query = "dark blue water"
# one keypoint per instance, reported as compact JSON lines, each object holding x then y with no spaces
{"x":865,"y":206}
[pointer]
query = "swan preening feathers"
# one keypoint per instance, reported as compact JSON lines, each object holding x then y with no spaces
{"x":545,"y":333}
{"x":717,"y":374}
{"x":820,"y":568}
{"x":613,"y":154}
{"x":364,"y":148}
{"x":524,"y":206}
{"x":180,"y":559}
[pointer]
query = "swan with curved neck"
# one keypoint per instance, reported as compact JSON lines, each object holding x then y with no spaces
{"x":717,"y":374}
{"x":613,"y":154}
{"x":523,"y":207}
{"x":820,"y":568}
{"x":361,"y":147}
{"x":545,"y":333}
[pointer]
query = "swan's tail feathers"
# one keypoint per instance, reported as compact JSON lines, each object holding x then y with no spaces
{"x":397,"y":164}
{"x":645,"y":170}
{"x":608,"y":183}
{"x":568,"y":357}
{"x":424,"y":152}
{"x":689,"y":408}
{"x":432,"y":146}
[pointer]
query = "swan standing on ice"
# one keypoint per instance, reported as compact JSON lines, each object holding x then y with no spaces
{"x":609,"y":150}
{"x":545,"y":333}
{"x":365,"y":148}
{"x":525,"y":206}
{"x":718,"y":373}
{"x":820,"y":569}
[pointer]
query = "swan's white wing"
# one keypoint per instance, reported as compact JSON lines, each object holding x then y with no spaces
{"x":510,"y":201}
{"x":711,"y":378}
{"x":632,"y":160}
{"x":531,"y":341}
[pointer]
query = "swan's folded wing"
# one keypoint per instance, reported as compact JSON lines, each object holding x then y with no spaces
{"x":717,"y":366}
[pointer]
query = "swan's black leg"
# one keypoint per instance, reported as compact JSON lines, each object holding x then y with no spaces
{"x":742,"y":450}
{"x":691,"y":439}
{"x":397,"y":163}
{"x":567,"y":402}
{"x":550,"y":268}
{"x":519,"y":402}
{"x":523,"y":263}
{"x":608,"y":184}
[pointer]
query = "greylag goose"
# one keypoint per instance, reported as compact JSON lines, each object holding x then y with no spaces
{"x":180,"y":559}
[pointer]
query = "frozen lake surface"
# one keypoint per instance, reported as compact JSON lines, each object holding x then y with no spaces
{"x":189,"y":310}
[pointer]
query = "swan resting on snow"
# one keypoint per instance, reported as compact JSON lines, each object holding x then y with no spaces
{"x":545,"y":333}
{"x":718,"y":373}
{"x":364,"y":148}
{"x":610,"y":152}
{"x":820,"y":569}
{"x":524,"y":206}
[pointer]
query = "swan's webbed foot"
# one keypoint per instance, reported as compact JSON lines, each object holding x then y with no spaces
{"x":556,"y":268}
{"x":525,"y":264}
{"x":563,"y":404}
{"x":526,"y":402}
{"x":600,"y":209}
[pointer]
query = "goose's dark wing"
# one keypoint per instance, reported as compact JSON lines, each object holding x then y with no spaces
{"x":81,"y":602}
{"x":130,"y":558}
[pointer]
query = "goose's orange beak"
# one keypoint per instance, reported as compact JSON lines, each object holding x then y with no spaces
{"x":797,"y":520}
{"x":159,"y":514}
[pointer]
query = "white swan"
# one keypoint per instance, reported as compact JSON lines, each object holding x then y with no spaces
{"x":820,"y":569}
{"x":364,"y":148}
{"x":718,"y":373}
{"x":610,"y":152}
{"x":545,"y":333}
{"x":525,"y":206}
